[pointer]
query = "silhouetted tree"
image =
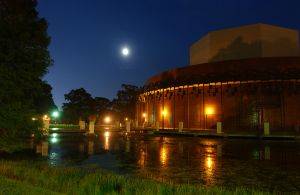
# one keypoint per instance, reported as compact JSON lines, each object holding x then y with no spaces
{"x":125,"y":102}
{"x":78,"y":105}
{"x":24,"y":60}
{"x":101,"y":105}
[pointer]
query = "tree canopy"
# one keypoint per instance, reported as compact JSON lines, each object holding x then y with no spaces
{"x":24,"y":60}
{"x":80,"y":104}
{"x":125,"y":102}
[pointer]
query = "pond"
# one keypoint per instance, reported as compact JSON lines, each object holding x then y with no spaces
{"x":259,"y":164}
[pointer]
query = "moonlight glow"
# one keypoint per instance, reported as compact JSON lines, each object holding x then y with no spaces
{"x":125,"y":51}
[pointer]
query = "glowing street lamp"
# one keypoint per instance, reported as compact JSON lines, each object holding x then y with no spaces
{"x":46,"y":117}
{"x":55,"y":114}
{"x":107,"y":119}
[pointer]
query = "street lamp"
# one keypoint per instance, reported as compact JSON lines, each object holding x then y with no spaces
{"x":107,"y":119}
{"x":55,"y":115}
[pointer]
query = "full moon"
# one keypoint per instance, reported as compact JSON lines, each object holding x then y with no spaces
{"x":125,"y":51}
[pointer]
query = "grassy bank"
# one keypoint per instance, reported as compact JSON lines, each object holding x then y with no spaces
{"x":38,"y":178}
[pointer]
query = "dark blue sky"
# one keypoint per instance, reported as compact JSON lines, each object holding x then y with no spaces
{"x":87,"y":36}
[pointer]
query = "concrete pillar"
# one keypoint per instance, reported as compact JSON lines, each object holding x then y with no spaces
{"x":82,"y":125}
{"x":91,"y":127}
{"x":219,"y":127}
{"x":157,"y":126}
{"x":266,"y":128}
{"x":45,"y":148}
{"x":180,"y":126}
{"x":46,"y":125}
{"x":127,"y":126}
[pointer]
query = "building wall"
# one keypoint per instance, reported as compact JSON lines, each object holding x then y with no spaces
{"x":235,"y":105}
{"x":251,"y":41}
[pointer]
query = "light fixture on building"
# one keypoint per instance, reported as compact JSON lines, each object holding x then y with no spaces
{"x":209,"y":110}
{"x":164,"y":113}
{"x":144,"y":115}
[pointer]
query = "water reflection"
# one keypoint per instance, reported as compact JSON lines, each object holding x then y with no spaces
{"x":208,"y":169}
{"x":164,"y":155}
{"x":106,"y":140}
{"x":90,"y":147}
{"x":267,"y":153}
{"x":42,"y":148}
{"x":142,"y":158}
{"x":181,"y":160}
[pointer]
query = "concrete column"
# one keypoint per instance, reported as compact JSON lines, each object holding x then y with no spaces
{"x":91,"y":127}
{"x":82,"y":125}
{"x":46,"y":125}
{"x":157,"y":126}
{"x":127,"y":126}
{"x":219,"y":127}
{"x":266,"y":128}
{"x":180,"y":126}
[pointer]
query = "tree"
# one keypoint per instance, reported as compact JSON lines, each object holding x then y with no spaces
{"x":125,"y":102}
{"x":101,"y":105}
{"x":24,"y":60}
{"x":79,"y":105}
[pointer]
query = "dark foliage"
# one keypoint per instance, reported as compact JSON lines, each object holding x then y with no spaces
{"x":24,"y":60}
{"x":80,"y":104}
{"x":125,"y":102}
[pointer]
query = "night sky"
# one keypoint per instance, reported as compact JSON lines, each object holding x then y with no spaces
{"x":87,"y":36}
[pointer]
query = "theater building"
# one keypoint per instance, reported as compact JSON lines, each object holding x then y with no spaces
{"x":243,"y":78}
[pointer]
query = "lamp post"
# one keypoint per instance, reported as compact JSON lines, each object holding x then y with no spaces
{"x":55,"y":115}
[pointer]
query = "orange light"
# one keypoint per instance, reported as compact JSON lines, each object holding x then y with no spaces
{"x":46,"y":117}
{"x":144,"y":115}
{"x":209,"y":110}
{"x":164,"y":113}
{"x":107,"y":119}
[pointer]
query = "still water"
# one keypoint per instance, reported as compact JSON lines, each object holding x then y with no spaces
{"x":266,"y":165}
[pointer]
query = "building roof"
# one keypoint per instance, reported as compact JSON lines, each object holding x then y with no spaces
{"x":232,"y":70}
{"x":249,"y":41}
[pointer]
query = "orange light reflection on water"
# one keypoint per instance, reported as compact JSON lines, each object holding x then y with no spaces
{"x":164,"y":154}
{"x":106,"y":140}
